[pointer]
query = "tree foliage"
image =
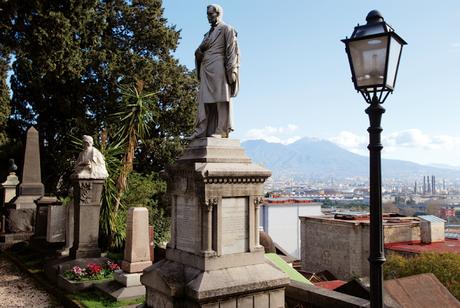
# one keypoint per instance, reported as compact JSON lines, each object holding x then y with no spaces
{"x":445,"y":266}
{"x":70,"y":58}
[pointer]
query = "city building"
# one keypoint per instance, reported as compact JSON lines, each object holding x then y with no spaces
{"x":339,"y":243}
{"x":279,"y":218}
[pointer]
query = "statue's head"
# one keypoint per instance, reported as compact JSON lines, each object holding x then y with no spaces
{"x":215,"y":13}
{"x":87,"y":141}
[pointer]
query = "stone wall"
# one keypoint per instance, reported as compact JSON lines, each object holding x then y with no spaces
{"x":299,"y":295}
{"x":342,"y":247}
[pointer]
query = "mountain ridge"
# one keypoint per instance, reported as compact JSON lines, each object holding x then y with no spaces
{"x":318,"y":158}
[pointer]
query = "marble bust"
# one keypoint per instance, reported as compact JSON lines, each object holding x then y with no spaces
{"x":90,"y":163}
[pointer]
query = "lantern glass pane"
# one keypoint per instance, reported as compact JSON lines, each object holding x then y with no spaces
{"x":393,"y":61}
{"x":369,"y":59}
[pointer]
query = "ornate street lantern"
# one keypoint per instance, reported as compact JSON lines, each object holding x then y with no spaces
{"x":374,"y":51}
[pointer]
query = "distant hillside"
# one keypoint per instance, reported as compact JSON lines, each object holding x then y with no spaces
{"x":322,"y":159}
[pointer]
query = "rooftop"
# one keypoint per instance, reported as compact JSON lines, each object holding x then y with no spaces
{"x":449,"y":245}
{"x":288,"y":200}
{"x":362,"y":218}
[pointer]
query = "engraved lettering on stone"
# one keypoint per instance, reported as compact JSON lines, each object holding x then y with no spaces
{"x":235,"y":225}
{"x":186,"y":224}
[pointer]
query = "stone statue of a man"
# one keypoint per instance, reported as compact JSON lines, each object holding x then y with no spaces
{"x":217,"y":63}
{"x":90,"y":163}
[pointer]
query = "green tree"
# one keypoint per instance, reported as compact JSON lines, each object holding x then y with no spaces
{"x":71,"y":57}
{"x":4,"y":98}
{"x":445,"y":266}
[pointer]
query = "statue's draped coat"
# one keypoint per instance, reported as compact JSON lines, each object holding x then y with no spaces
{"x":219,"y":62}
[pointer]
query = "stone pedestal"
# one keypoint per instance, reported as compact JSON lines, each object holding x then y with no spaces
{"x":41,"y":217}
{"x":127,"y":282}
{"x":87,"y":202}
{"x":56,"y":223}
{"x":137,"y":250}
{"x":69,"y":229}
{"x":214,"y":257}
{"x":10,"y":187}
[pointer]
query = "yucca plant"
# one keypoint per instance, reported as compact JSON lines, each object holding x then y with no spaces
{"x":134,"y":119}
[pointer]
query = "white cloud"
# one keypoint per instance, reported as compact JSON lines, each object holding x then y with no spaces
{"x":352,"y":142}
{"x":280,"y":134}
{"x":415,"y":138}
{"x":454,"y":47}
{"x":411,"y":144}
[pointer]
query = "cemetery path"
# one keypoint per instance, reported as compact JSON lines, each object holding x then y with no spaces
{"x":19,"y":290}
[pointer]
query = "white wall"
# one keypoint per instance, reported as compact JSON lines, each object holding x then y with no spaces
{"x":282,"y":223}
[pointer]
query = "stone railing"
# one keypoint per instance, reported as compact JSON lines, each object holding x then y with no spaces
{"x":299,"y":295}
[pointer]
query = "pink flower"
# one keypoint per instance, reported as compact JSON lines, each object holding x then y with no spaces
{"x":78,"y":271}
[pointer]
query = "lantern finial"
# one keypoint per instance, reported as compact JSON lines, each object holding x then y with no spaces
{"x":374,"y":16}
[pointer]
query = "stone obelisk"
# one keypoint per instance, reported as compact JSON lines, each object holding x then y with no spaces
{"x":21,"y":211}
{"x":31,"y":187}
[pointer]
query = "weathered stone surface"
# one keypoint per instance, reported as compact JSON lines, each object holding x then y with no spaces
{"x":56,"y":226}
{"x":128,"y":279}
{"x":118,"y":291}
{"x":235,"y":225}
{"x":20,"y":220}
{"x":87,"y":198}
{"x":41,"y":221}
{"x":215,"y":150}
{"x":137,"y":249}
{"x":76,"y":286}
{"x":10,"y":187}
{"x":69,"y":230}
{"x":214,"y":257}
{"x":31,"y":175}
{"x":187,"y":232}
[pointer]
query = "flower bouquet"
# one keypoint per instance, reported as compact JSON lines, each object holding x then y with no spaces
{"x":92,"y":271}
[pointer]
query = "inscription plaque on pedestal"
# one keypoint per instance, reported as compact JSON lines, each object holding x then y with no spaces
{"x":187,"y":231}
{"x":235,"y":225}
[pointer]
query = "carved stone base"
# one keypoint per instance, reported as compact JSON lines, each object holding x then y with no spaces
{"x":214,"y":258}
{"x":171,"y":284}
{"x":87,"y":198}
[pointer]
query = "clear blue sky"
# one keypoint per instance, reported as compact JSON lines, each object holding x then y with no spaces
{"x":296,"y":82}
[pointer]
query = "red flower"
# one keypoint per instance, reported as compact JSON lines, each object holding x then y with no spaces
{"x":94,"y":269}
{"x":112,"y":266}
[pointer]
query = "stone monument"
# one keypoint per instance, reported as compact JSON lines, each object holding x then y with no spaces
{"x":127,"y":282}
{"x":21,"y":210}
{"x":69,"y":229}
{"x":41,"y":219}
{"x":88,"y":181}
{"x":11,"y":183}
{"x":214,"y":256}
{"x":31,"y":187}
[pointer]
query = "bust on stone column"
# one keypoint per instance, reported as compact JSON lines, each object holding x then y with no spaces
{"x":90,"y":163}
{"x":88,"y":179}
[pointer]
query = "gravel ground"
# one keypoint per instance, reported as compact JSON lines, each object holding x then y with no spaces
{"x":19,"y":290}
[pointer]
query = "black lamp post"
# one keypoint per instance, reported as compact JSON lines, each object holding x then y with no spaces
{"x":374,"y":51}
